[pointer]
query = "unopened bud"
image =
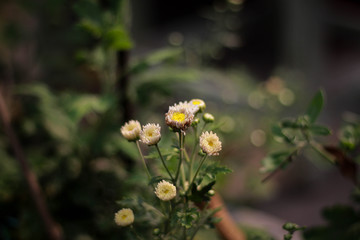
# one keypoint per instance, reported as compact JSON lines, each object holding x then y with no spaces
{"x":211,"y":192}
{"x":287,"y":236}
{"x":208,"y":118}
{"x":156,"y":231}
{"x":291,"y":227}
{"x":195,"y":122}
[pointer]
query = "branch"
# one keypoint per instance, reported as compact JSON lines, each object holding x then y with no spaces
{"x":53,"y":229}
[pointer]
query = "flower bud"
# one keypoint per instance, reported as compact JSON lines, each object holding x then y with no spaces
{"x":291,"y":227}
{"x":195,"y":122}
{"x":211,"y":192}
{"x":198,"y":104}
{"x":131,"y":130}
{"x":208,"y":118}
{"x":156,"y":231}
{"x":287,"y":236}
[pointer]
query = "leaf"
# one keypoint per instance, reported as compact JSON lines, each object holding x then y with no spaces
{"x":278,"y":132}
{"x":315,"y":106}
{"x":274,"y":161}
{"x":91,"y":27}
{"x":117,"y":38}
{"x":289,"y":124}
{"x":212,"y":170}
{"x":201,"y":195}
{"x":155,"y":58}
{"x":188,"y":218}
{"x":319,"y":130}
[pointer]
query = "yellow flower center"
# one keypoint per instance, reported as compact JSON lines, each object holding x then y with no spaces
{"x":211,"y":143}
{"x":123,"y":217}
{"x":196,"y":102}
{"x":149,"y":134}
{"x":130,"y":128}
{"x":178,"y":117}
{"x":166,"y":191}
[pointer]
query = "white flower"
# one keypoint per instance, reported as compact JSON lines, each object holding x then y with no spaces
{"x":210,"y":143}
{"x":179,"y":116}
{"x":150,"y":134}
{"x":124,"y":217}
{"x":165,"y":191}
{"x":198,"y":104}
{"x":131,"y":130}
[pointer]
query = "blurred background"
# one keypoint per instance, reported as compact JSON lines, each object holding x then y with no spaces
{"x":72,"y":72}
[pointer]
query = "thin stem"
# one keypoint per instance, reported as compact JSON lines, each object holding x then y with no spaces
{"x":182,"y":169}
{"x":319,"y":149}
{"x":135,"y":233}
{"x":180,"y":157}
{"x":162,"y":160}
{"x":143,"y":160}
{"x":193,"y":153}
{"x":167,"y":224}
{"x":283,"y":164}
{"x":196,"y":173}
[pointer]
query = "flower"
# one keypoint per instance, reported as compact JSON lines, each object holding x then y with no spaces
{"x":131,"y":130}
{"x":210,"y":143}
{"x":208,"y":118}
{"x":124,"y":217}
{"x":198,"y":104}
{"x":165,"y":190}
{"x":179,"y":116}
{"x":150,"y":134}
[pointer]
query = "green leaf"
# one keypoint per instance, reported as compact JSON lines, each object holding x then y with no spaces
{"x":319,"y":130}
{"x":188,"y":218}
{"x":155,"y":58}
{"x":202,"y":194}
{"x":278,"y":132}
{"x":315,"y":106}
{"x":289,"y":124}
{"x":275,"y":160}
{"x":117,"y":38}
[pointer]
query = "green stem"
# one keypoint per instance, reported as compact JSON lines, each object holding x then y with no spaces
{"x":193,"y":153}
{"x":319,"y":149}
{"x":167,"y":224}
{"x":162,"y":160}
{"x":143,"y":160}
{"x":135,"y":233}
{"x":180,"y":157}
{"x":196,"y":173}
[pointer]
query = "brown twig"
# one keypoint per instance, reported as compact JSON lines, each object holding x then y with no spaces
{"x":226,"y":227}
{"x":52,"y":228}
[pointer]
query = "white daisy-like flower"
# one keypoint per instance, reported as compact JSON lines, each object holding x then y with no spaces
{"x":131,"y":130}
{"x":210,"y":143}
{"x":150,"y":134}
{"x":179,"y":116}
{"x":124,"y":217}
{"x":165,"y":191}
{"x":198,"y":104}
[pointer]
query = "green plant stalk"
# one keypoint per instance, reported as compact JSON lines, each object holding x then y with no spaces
{"x":319,"y":149}
{"x":135,"y":233}
{"x":180,"y":156}
{"x":143,"y":160}
{"x":193,"y":154}
{"x":162,"y":160}
{"x":200,"y":224}
{"x":182,"y":169}
{"x":196,"y":173}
